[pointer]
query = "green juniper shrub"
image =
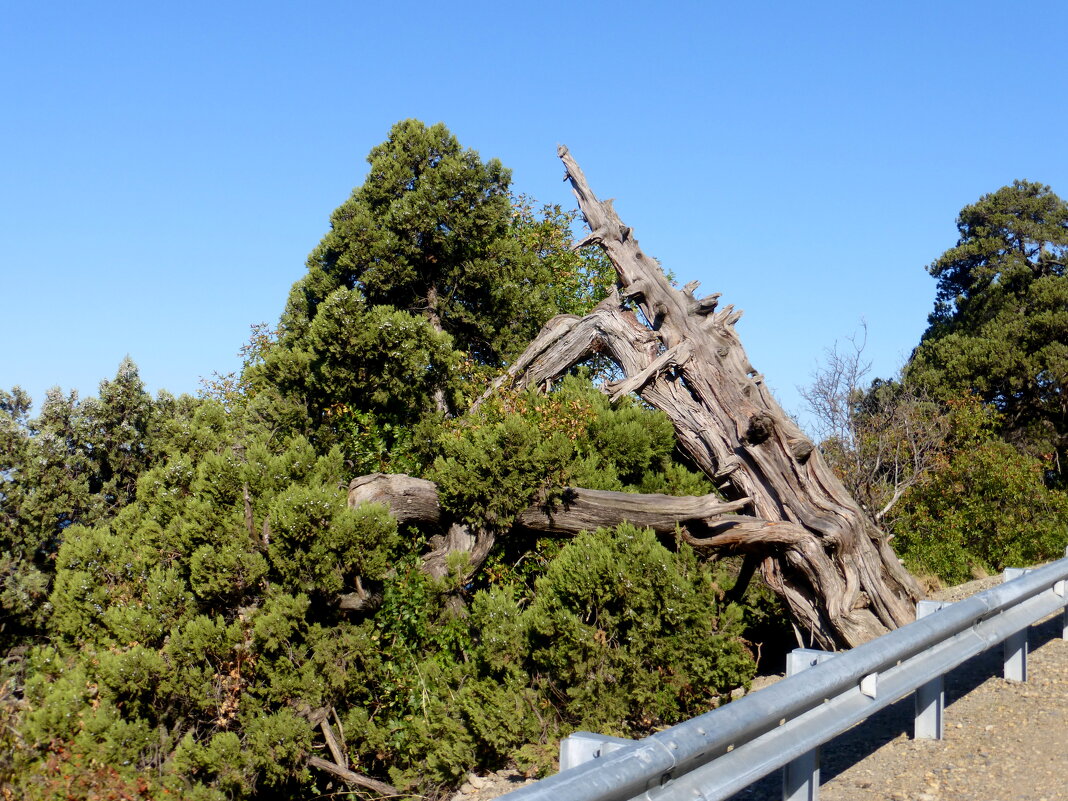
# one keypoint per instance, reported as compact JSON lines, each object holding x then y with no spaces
{"x":76,"y":462}
{"x":621,"y":636}
{"x":175,"y":622}
{"x":627,"y":635}
{"x":528,"y":447}
{"x":200,"y":549}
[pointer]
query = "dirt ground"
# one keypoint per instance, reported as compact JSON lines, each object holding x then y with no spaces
{"x":1004,"y":741}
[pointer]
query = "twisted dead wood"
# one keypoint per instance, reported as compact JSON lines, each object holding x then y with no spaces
{"x":843,"y":573}
{"x":681,"y":354}
{"x":833,"y":568}
{"x":416,"y":500}
{"x":705,"y":522}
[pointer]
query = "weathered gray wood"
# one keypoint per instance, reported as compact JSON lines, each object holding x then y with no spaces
{"x":476,"y":544}
{"x":336,"y":751}
{"x":731,"y":425}
{"x":412,"y":500}
{"x":577,"y":509}
{"x":585,"y":510}
{"x":361,"y":599}
{"x":834,"y":569}
{"x":408,"y":499}
{"x":817,"y":548}
{"x":353,"y":778}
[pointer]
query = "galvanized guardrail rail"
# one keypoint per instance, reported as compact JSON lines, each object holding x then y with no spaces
{"x":715,"y":755}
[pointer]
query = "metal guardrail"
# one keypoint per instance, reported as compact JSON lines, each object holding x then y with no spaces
{"x":715,"y":755}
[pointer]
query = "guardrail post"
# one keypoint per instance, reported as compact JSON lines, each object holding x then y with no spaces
{"x":801,"y":777}
{"x":930,"y":697}
{"x":1059,"y":588}
{"x":1016,"y":643}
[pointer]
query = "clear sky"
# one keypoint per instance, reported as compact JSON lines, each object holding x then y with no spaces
{"x":166,"y":168}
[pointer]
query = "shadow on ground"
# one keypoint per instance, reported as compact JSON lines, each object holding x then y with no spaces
{"x":849,"y":748}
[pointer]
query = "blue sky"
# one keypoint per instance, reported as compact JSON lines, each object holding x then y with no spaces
{"x":167,"y":168}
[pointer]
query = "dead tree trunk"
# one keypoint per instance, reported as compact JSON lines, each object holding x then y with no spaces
{"x":681,"y":354}
{"x":815,"y":546}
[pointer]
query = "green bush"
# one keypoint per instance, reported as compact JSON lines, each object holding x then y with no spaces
{"x":173,"y":571}
{"x":986,"y":508}
{"x":622,"y":636}
{"x":526,"y":448}
{"x":628,"y":636}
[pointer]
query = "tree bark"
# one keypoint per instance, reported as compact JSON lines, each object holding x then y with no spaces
{"x":416,"y":500}
{"x":353,"y":778}
{"x":340,"y":766}
{"x":682,"y":355}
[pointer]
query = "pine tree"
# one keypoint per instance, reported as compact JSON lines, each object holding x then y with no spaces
{"x":999,"y":328}
{"x":428,"y":234}
{"x":429,"y":279}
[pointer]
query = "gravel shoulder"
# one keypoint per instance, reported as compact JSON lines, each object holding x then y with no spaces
{"x":1004,"y":741}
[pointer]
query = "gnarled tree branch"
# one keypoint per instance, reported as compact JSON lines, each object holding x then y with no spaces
{"x":574,"y":511}
{"x":353,"y":778}
{"x":833,"y":568}
{"x":717,"y":525}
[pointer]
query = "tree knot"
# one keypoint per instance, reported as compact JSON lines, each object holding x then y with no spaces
{"x":761,"y":425}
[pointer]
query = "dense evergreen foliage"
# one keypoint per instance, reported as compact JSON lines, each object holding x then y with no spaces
{"x":76,"y":462}
{"x":192,"y":635}
{"x":429,"y":277}
{"x":984,"y":506}
{"x":173,"y":568}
